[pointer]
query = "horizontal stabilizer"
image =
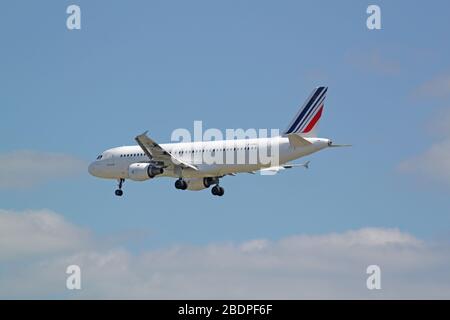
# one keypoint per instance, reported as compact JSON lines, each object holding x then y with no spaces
{"x":339,"y":145}
{"x":293,"y":165}
{"x":297,"y":141}
{"x":276,"y":169}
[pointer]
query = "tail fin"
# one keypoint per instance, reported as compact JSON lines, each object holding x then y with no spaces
{"x":309,"y":114}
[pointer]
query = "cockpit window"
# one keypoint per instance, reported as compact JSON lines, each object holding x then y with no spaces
{"x":99,"y":157}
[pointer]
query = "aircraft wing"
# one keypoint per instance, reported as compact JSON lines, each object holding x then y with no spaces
{"x":156,"y":153}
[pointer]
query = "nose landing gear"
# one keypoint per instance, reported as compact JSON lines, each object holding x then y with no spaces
{"x":119,"y":191}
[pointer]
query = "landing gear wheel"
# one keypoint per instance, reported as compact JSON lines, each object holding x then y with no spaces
{"x":181,"y":184}
{"x":217,"y":191}
{"x":119,"y":191}
{"x":209,"y":181}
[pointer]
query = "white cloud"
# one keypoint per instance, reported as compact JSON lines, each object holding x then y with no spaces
{"x":302,"y":266}
{"x":37,"y":233}
{"x":27,"y":168}
{"x":373,"y":61}
{"x":438,"y":87}
{"x":439,"y":125}
{"x":434,"y":162}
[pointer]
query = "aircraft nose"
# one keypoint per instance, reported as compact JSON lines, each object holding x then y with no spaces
{"x":92,"y":168}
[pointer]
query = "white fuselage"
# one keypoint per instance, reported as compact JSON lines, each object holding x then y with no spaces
{"x":212,"y":158}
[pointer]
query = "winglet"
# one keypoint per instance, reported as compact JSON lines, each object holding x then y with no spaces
{"x":143,"y":142}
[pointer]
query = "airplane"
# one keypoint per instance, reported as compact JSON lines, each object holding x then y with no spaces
{"x":185,"y":161}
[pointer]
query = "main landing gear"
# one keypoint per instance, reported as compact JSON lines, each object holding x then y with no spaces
{"x":119,"y":191}
{"x":217,"y":190}
{"x":181,"y":184}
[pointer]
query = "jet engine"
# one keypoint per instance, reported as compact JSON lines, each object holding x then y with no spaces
{"x":143,"y":171}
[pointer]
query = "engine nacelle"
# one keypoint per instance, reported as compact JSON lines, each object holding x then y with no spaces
{"x":196,"y":184}
{"x":143,"y":171}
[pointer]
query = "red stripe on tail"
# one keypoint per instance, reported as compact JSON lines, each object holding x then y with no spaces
{"x":313,"y":121}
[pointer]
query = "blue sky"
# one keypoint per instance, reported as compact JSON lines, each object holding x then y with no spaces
{"x":160,"y":65}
